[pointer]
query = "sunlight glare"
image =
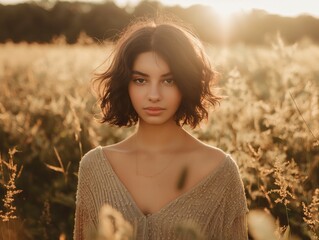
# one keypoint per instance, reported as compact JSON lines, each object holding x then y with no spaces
{"x":225,"y":13}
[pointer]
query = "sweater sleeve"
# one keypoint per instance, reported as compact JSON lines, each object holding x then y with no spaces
{"x":236,"y":207}
{"x":82,"y":217}
{"x":80,"y":211}
{"x":238,"y":229}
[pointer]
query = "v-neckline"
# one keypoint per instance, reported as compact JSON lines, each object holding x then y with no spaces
{"x":167,"y":205}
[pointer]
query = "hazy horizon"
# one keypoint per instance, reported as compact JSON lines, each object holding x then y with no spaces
{"x":228,"y":7}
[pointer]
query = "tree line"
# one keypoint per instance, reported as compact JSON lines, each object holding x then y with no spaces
{"x":42,"y":22}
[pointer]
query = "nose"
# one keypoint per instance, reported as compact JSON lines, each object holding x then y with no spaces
{"x":154,"y":94}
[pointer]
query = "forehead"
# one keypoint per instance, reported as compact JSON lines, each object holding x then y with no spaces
{"x":150,"y":62}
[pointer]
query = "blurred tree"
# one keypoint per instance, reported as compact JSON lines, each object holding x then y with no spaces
{"x":148,"y":9}
{"x":258,"y":26}
{"x":25,"y":22}
{"x":67,"y":19}
{"x":41,"y":21}
{"x":200,"y":18}
{"x":104,"y":21}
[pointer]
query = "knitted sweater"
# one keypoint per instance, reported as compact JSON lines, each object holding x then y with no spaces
{"x":216,"y":206}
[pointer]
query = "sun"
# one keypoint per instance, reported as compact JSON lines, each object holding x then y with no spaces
{"x":225,"y":13}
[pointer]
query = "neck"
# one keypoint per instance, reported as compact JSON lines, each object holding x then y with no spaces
{"x":158,"y":138}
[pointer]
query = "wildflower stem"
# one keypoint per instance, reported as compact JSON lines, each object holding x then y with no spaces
{"x":293,"y":99}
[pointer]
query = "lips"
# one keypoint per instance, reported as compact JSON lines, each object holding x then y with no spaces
{"x":154,"y":108}
{"x":154,"y":111}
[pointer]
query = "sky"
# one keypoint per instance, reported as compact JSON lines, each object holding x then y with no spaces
{"x":227,"y":7}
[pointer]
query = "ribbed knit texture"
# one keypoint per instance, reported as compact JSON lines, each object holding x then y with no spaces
{"x":216,"y":205}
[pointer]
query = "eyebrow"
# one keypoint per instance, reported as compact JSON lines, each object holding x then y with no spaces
{"x":146,"y":75}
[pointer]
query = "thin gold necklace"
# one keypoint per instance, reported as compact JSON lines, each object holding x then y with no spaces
{"x":181,"y":180}
{"x":138,"y":173}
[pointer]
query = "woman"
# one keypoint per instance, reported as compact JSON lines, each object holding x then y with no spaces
{"x":160,"y":178}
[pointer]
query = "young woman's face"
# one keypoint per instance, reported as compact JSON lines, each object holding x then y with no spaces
{"x":153,"y":92}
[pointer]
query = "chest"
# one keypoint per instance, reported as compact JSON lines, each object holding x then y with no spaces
{"x":150,"y":187}
{"x":153,"y":190}
{"x":153,"y":181}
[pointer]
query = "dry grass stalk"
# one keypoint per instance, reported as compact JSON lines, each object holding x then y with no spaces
{"x":112,"y":225}
{"x":60,"y":169}
{"x":272,"y":110}
{"x":9,"y":226}
{"x":311,"y":214}
{"x":263,"y":226}
{"x":188,"y":230}
{"x":10,"y":188}
{"x":285,"y":182}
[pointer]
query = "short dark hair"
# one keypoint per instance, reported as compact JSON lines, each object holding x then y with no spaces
{"x":183,"y":52}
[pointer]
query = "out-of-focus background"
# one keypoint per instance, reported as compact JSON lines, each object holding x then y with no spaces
{"x":267,"y":57}
{"x":230,"y":21}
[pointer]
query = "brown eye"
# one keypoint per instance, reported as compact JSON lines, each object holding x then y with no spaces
{"x":139,"y":81}
{"x":169,"y":81}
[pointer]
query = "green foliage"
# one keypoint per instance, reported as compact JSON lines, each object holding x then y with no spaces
{"x":268,"y":122}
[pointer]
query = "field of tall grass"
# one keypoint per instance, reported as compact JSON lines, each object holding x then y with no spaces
{"x":269,"y":122}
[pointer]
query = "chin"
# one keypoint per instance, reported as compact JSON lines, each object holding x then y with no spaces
{"x":156,"y":121}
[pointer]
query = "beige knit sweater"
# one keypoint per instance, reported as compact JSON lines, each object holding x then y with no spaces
{"x":216,"y":205}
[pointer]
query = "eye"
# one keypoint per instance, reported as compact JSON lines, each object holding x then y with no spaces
{"x":139,"y":81}
{"x":169,"y":81}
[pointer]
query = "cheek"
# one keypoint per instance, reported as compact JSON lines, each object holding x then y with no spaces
{"x":177,"y":97}
{"x":135,"y":95}
{"x":129,"y":90}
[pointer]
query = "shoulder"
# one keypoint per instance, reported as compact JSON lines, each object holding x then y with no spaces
{"x":228,"y":176}
{"x":205,"y":159}
{"x":117,"y":147}
{"x":236,"y":203}
{"x":118,"y":150}
{"x":213,"y":152}
{"x":213,"y":158}
{"x":216,"y":154}
{"x":90,"y":158}
{"x":211,"y":155}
